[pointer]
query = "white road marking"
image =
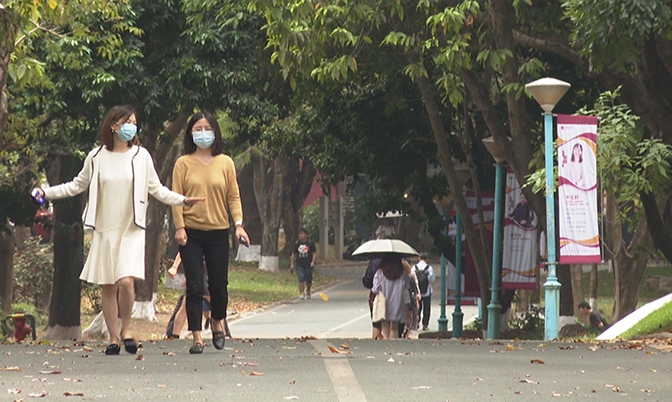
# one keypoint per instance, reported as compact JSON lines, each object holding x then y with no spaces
{"x":342,"y":377}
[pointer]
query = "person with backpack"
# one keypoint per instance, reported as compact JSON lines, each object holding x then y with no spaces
{"x":425,"y":274}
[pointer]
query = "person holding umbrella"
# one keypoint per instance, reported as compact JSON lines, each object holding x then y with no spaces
{"x":392,"y":281}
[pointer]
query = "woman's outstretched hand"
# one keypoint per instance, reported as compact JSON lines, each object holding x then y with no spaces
{"x":189,"y":201}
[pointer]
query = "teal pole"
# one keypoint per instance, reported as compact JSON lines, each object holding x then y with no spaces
{"x":494,"y":308}
{"x":458,"y":316}
{"x":443,"y":321}
{"x":552,"y":286}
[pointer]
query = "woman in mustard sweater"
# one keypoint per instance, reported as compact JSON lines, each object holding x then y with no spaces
{"x":203,"y":230}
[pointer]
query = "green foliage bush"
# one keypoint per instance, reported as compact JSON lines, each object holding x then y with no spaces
{"x":34,"y":274}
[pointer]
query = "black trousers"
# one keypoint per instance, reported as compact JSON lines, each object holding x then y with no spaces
{"x":425,"y":307}
{"x":214,"y":246}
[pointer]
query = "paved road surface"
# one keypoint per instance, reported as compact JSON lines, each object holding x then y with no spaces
{"x":344,"y":315}
{"x":369,"y":371}
{"x":338,"y":367}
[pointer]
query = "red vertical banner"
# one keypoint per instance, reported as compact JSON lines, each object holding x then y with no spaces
{"x":519,"y":249}
{"x":471,"y":286}
{"x":577,"y":190}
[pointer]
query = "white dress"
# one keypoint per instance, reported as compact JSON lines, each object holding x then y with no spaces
{"x":118,"y":245}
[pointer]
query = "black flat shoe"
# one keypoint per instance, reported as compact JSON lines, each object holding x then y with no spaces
{"x":196,"y":349}
{"x":130,"y":346}
{"x":218,"y":340}
{"x":112,"y":349}
{"x":207,"y":323}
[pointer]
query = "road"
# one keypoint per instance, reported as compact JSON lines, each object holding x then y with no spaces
{"x":337,"y":362}
{"x":344,"y":315}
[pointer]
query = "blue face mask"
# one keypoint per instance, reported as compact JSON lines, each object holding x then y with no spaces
{"x":204,"y":139}
{"x":127,"y":131}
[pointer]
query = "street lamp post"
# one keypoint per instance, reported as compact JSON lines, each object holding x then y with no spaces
{"x":495,"y":308}
{"x":548,"y":92}
{"x":458,"y":315}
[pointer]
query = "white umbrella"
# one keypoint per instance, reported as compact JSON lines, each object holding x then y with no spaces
{"x":380,"y":247}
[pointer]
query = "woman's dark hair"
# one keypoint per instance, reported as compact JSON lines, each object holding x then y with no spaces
{"x":392,"y":267}
{"x":188,"y":142}
{"x":118,"y":114}
{"x":580,"y":156}
{"x":303,"y":230}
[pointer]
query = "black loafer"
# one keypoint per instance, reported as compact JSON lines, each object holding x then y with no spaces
{"x":218,"y":340}
{"x":196,"y":349}
{"x":112,"y":349}
{"x":130,"y":346}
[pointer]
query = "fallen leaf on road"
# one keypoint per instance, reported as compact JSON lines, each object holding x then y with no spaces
{"x":518,"y":392}
{"x":37,"y":394}
{"x":49,"y":372}
{"x":256,"y":373}
{"x":324,"y":297}
{"x":342,"y":352}
{"x":390,"y":360}
{"x":73,"y":394}
{"x":510,"y":347}
{"x":422,"y":387}
{"x":15,"y":368}
{"x":345,"y":346}
{"x":140,"y":357}
{"x":567,"y":347}
{"x":291,"y":397}
{"x":13,"y":391}
{"x":537,"y":361}
{"x":528,"y":381}
{"x":249,"y":364}
{"x":646,"y":390}
{"x":169,"y":354}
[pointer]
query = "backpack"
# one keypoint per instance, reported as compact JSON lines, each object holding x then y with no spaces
{"x":371,"y":269}
{"x":423,"y":278}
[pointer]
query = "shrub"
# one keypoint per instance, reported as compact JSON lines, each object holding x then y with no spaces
{"x":34,"y":274}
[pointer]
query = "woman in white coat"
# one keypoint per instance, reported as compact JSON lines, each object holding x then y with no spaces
{"x":119,"y":174}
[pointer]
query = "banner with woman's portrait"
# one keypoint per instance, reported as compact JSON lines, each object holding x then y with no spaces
{"x":520,"y":250}
{"x":577,"y":190}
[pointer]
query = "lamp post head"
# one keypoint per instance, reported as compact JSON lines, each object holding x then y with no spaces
{"x":547,"y":92}
{"x":494,"y":150}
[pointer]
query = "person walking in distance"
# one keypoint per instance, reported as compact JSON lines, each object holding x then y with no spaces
{"x":203,"y":231}
{"x":425,"y":274}
{"x":118,"y":175}
{"x":303,"y":259}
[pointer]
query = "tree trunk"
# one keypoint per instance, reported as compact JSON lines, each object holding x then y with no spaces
{"x":6,"y":268}
{"x":299,"y":181}
{"x":68,"y":238}
{"x":269,"y":203}
{"x":629,"y":262}
{"x":566,"y":291}
{"x":164,"y":154}
{"x":593,"y":287}
{"x":576,"y":272}
{"x":253,"y":224}
{"x":446,"y":159}
{"x":8,"y":31}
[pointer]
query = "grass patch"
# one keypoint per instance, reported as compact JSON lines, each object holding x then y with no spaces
{"x":605,"y":282}
{"x":658,"y":321}
{"x":248,"y":282}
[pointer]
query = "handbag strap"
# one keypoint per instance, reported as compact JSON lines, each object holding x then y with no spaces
{"x":380,"y":280}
